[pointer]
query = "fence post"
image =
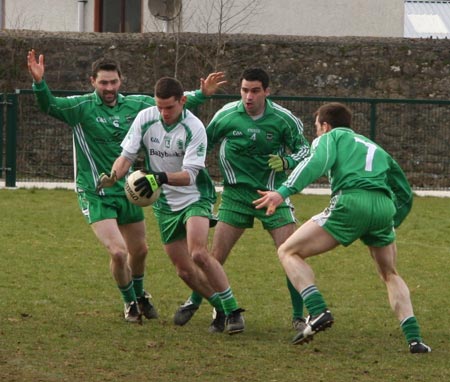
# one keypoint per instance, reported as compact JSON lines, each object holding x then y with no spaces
{"x":373,"y":120}
{"x":2,"y":102}
{"x":11,"y":139}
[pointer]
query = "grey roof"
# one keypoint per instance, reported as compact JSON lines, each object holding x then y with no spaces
{"x":428,"y":19}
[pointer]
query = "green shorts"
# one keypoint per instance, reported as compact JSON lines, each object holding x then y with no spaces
{"x":96,"y":208}
{"x":359,"y":214}
{"x":172,"y":225}
{"x":236,"y":208}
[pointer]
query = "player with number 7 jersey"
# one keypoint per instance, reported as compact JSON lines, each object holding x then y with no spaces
{"x":370,"y":197}
{"x":352,"y":162}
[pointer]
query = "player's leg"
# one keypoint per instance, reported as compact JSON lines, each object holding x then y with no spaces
{"x":132,"y":226}
{"x":380,"y":239}
{"x":399,"y":296}
{"x":135,"y":239}
{"x":134,"y":235}
{"x":281,"y":225}
{"x":279,"y":236}
{"x":174,"y":236}
{"x":197,"y":237}
{"x":108,"y":233}
{"x":309,"y":240}
{"x":195,"y":279}
{"x":398,"y":292}
{"x":186,"y":268}
{"x":101,"y":213}
{"x":197,"y":228}
{"x":225,"y":237}
{"x":233,"y":219}
{"x":337,"y":224}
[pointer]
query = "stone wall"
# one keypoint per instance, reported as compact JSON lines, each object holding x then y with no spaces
{"x":307,"y":66}
{"x":299,"y":66}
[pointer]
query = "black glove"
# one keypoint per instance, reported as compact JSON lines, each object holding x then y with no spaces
{"x":149,"y":183}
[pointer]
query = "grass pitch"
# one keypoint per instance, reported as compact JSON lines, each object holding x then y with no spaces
{"x":61,"y":314}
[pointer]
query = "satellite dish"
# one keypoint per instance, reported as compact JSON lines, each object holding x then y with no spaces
{"x":166,"y":10}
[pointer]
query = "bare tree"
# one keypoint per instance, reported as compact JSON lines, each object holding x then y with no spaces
{"x":215,"y":17}
{"x":221,"y":17}
{"x":19,"y":18}
{"x":225,"y":16}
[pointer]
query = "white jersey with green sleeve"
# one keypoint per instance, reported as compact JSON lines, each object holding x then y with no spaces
{"x":98,"y":129}
{"x":245,"y":144}
{"x":172,"y":149}
{"x":352,"y":161}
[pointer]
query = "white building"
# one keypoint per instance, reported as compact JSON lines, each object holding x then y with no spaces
{"x":378,"y":18}
{"x":428,"y":19}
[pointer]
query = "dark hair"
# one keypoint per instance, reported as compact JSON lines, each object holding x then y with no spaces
{"x":107,"y":64}
{"x":167,"y":87}
{"x":335,"y":114}
{"x":255,"y":74}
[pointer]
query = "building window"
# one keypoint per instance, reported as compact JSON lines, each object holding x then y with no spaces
{"x":118,"y":16}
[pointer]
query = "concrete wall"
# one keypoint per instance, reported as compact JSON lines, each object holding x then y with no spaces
{"x":48,"y":15}
{"x":380,"y":18}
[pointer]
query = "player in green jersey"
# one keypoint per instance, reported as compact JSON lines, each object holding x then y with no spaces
{"x":100,"y":120}
{"x":259,"y":140}
{"x":175,"y":144}
{"x":370,"y":197}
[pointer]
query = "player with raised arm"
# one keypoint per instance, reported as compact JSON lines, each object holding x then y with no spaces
{"x":370,"y":197}
{"x":259,"y":140}
{"x":99,"y":121}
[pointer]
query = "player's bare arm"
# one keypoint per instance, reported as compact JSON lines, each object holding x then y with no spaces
{"x":212,"y":83}
{"x":35,"y":67}
{"x":121,"y":166}
{"x":270,"y":199}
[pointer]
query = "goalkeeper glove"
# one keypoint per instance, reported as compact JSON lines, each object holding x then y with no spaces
{"x":277,"y":163}
{"x":105,"y":180}
{"x":149,"y":183}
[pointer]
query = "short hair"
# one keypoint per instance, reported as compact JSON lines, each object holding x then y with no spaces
{"x":107,"y":64}
{"x":255,"y":74}
{"x":335,"y":114}
{"x":167,"y":87}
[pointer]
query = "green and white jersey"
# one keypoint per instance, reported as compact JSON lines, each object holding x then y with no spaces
{"x":98,"y":129}
{"x":351,"y":162}
{"x":245,"y":144}
{"x":172,"y":149}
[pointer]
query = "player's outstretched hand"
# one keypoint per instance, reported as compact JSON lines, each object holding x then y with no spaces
{"x":105,"y":180}
{"x":270,"y":199}
{"x":36,"y":68}
{"x":212,"y":83}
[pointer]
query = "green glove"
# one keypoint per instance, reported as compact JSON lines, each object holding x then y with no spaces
{"x":277,"y":163}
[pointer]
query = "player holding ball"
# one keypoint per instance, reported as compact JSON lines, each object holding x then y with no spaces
{"x":175,"y":148}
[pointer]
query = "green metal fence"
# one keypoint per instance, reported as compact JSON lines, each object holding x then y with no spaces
{"x":38,"y":148}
